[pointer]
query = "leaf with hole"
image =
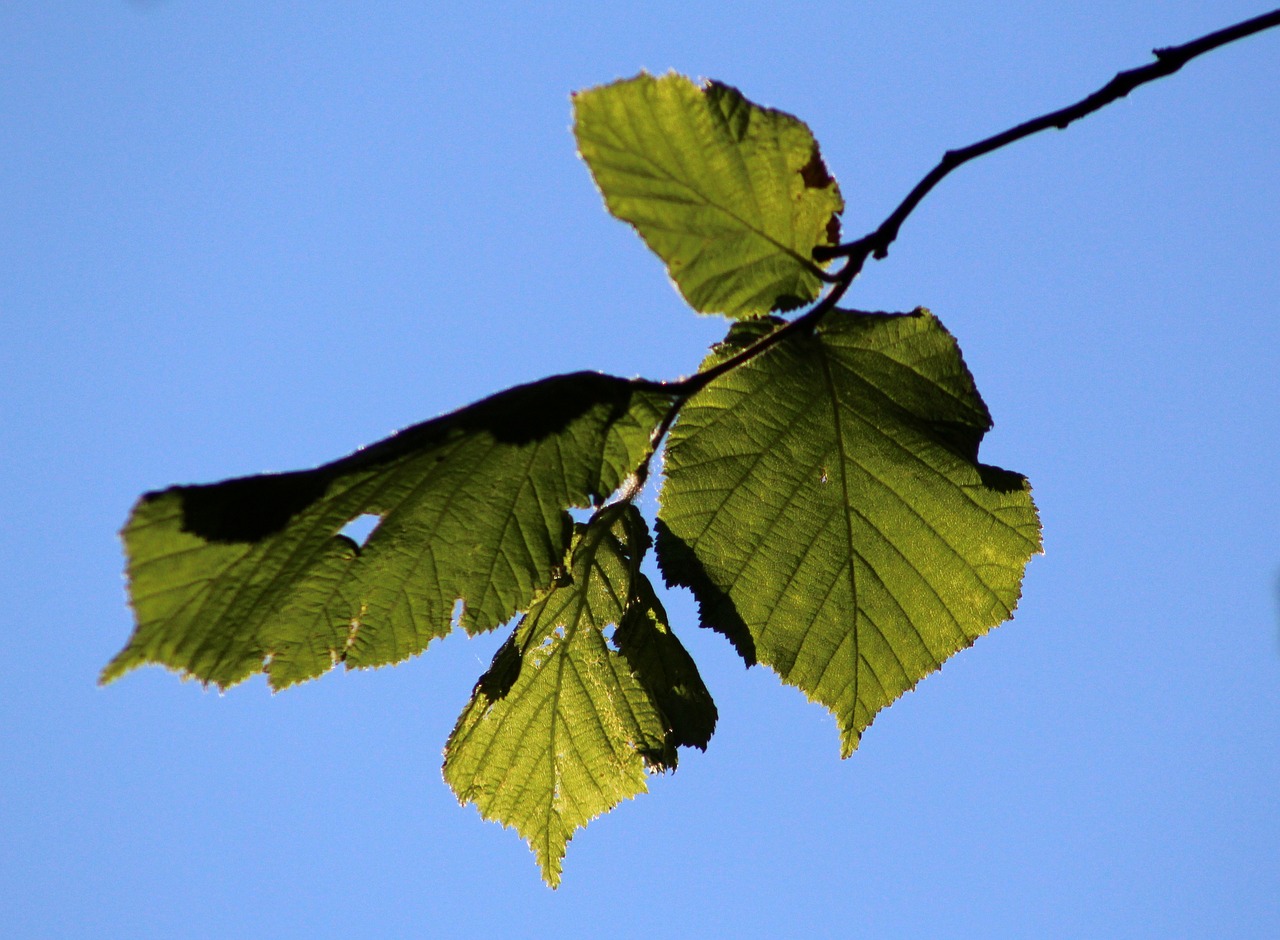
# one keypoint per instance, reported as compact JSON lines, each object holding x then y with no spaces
{"x":253,"y":574}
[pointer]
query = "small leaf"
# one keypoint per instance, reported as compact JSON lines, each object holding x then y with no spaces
{"x":562,"y":727}
{"x":250,"y":574}
{"x":731,"y":196}
{"x":826,"y":505}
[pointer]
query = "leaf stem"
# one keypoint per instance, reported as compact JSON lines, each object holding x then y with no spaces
{"x":684,"y":389}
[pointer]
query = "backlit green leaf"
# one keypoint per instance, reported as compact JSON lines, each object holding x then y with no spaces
{"x":565,"y":723}
{"x":733,"y":197}
{"x":826,"y":505}
{"x":250,"y":574}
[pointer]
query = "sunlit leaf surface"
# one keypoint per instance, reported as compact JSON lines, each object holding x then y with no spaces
{"x":566,"y":721}
{"x":731,"y":196}
{"x":233,"y":578}
{"x":826,"y":505}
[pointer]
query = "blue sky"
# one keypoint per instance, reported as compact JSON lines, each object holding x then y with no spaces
{"x":242,"y":237}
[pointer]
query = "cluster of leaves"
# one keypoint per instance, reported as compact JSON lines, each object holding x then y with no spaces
{"x":823,"y":500}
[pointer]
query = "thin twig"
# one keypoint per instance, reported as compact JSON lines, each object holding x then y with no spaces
{"x":684,"y":389}
{"x":876,"y":244}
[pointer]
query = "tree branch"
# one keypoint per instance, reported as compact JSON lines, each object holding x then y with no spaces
{"x":876,"y":243}
{"x":1169,"y":60}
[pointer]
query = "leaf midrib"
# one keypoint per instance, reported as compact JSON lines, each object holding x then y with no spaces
{"x":829,"y":379}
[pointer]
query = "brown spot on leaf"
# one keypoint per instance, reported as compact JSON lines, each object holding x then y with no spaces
{"x":815,"y":176}
{"x":833,"y":229}
{"x":814,"y":173}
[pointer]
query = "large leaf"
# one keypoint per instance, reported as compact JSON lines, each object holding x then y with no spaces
{"x":826,"y":505}
{"x":251,"y":574}
{"x":565,"y":723}
{"x":733,"y":197}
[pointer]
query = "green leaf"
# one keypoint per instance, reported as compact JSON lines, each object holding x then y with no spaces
{"x":826,"y":505}
{"x":253,"y":574}
{"x":733,"y":197}
{"x":565,"y":723}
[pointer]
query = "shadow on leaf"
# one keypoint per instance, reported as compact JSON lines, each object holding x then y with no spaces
{"x":681,"y":567}
{"x":250,"y":509}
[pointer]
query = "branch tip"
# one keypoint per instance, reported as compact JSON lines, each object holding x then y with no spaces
{"x":1169,"y":59}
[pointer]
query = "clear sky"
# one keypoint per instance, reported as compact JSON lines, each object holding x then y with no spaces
{"x":238,"y":237}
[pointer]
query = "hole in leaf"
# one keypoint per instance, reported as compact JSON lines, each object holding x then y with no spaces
{"x":455,"y":619}
{"x":360,"y":528}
